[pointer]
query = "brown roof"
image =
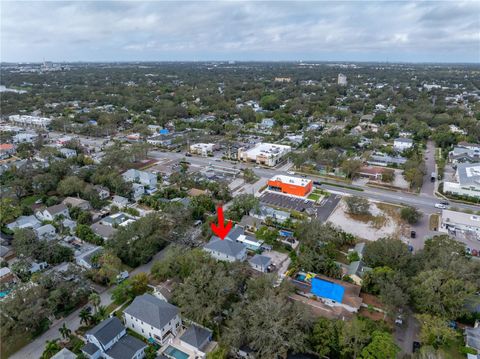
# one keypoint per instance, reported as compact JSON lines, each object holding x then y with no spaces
{"x":194,"y":192}
{"x":6,"y":146}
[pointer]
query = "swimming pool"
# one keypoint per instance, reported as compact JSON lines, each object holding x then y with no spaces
{"x":176,"y":353}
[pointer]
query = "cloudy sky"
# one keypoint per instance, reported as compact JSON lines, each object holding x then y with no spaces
{"x":443,"y":31}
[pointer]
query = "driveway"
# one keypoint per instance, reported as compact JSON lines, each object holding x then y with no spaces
{"x":407,"y":333}
{"x":35,"y":349}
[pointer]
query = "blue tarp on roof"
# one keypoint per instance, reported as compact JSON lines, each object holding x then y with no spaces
{"x":164,"y":131}
{"x":325,"y":289}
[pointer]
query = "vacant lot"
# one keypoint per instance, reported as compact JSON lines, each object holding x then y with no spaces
{"x":382,"y":222}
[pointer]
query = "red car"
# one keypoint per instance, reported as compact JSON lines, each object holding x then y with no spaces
{"x":474,"y":252}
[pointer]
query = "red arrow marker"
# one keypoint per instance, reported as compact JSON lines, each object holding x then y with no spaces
{"x":221,"y":230}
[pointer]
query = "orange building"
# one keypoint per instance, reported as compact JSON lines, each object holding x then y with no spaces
{"x":290,"y":185}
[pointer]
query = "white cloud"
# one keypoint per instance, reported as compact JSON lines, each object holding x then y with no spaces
{"x":109,"y":30}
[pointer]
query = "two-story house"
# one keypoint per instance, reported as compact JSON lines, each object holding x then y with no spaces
{"x":153,"y":318}
{"x":110,"y":340}
{"x":226,"y":250}
{"x":50,"y":213}
{"x":146,"y":179}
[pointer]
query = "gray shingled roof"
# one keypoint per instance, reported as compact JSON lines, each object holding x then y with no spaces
{"x":152,"y":310}
{"x":125,"y":348}
{"x":107,"y":330}
{"x":226,"y":247}
{"x":53,"y":210}
{"x":196,"y":336}
{"x":90,"y":348}
{"x":260,"y":260}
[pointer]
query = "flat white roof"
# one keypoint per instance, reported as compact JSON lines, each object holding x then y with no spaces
{"x":466,"y":219}
{"x":267,"y":149}
{"x":297,"y":181}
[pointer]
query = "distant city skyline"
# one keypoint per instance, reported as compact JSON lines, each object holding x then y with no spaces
{"x":110,"y":31}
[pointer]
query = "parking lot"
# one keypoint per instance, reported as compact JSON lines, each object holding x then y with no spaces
{"x":319,"y":211}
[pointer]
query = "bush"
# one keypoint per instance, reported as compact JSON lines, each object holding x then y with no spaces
{"x":410,"y":214}
{"x":357,"y":205}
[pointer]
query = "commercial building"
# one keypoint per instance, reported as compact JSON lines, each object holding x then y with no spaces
{"x":30,"y":121}
{"x":267,"y":154}
{"x":465,"y":223}
{"x":342,"y":80}
{"x":468,"y":177}
{"x":203,"y":149}
{"x":295,"y":186}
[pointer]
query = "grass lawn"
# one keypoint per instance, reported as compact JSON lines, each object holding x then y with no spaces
{"x":434,"y":221}
{"x":30,"y":200}
{"x":14,"y":345}
{"x":314,"y":197}
{"x":452,"y":349}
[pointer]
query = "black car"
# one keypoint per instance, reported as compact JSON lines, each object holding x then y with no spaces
{"x":416,"y":346}
{"x":413,"y":234}
{"x":317,"y":183}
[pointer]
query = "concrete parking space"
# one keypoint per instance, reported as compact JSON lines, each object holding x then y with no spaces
{"x":319,"y":211}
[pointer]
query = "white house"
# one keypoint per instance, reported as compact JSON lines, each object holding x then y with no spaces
{"x":46,"y":232}
{"x":120,"y":201}
{"x":110,"y":340}
{"x":153,"y":318}
{"x":226,"y":250}
{"x":24,"y":138}
{"x":85,"y":259}
{"x":68,"y":152}
{"x":147,"y":179}
{"x":402,"y":144}
{"x":260,"y":263}
{"x":50,"y":213}
{"x":24,"y":222}
{"x":103,"y":192}
{"x":138,"y":190}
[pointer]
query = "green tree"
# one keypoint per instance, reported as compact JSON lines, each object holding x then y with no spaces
{"x":325,"y":337}
{"x":410,"y":214}
{"x":85,"y":316}
{"x":94,"y":298}
{"x":354,"y":337}
{"x":387,"y":251}
{"x":357,"y":205}
{"x":9,"y":211}
{"x":51,"y":348}
{"x":71,"y":186}
{"x":242,"y":205}
{"x":382,"y":346}
{"x":65,"y":332}
{"x":435,"y":331}
{"x":351,"y":167}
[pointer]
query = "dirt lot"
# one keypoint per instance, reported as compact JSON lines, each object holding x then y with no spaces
{"x":383,"y":221}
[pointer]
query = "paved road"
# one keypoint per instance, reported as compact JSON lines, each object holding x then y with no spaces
{"x":425,"y":201}
{"x":35,"y":349}
{"x":428,"y":187}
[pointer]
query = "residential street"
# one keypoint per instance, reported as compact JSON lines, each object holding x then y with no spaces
{"x":35,"y":349}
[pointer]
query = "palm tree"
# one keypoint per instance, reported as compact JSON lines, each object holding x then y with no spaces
{"x":85,"y":316}
{"x":51,"y":348}
{"x":102,"y":312}
{"x":65,"y":332}
{"x":94,"y":298}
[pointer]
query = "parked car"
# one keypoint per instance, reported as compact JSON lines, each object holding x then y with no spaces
{"x":440,"y":206}
{"x":474,"y":252}
{"x":416,"y":346}
{"x":290,"y":172}
{"x":413,"y":234}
